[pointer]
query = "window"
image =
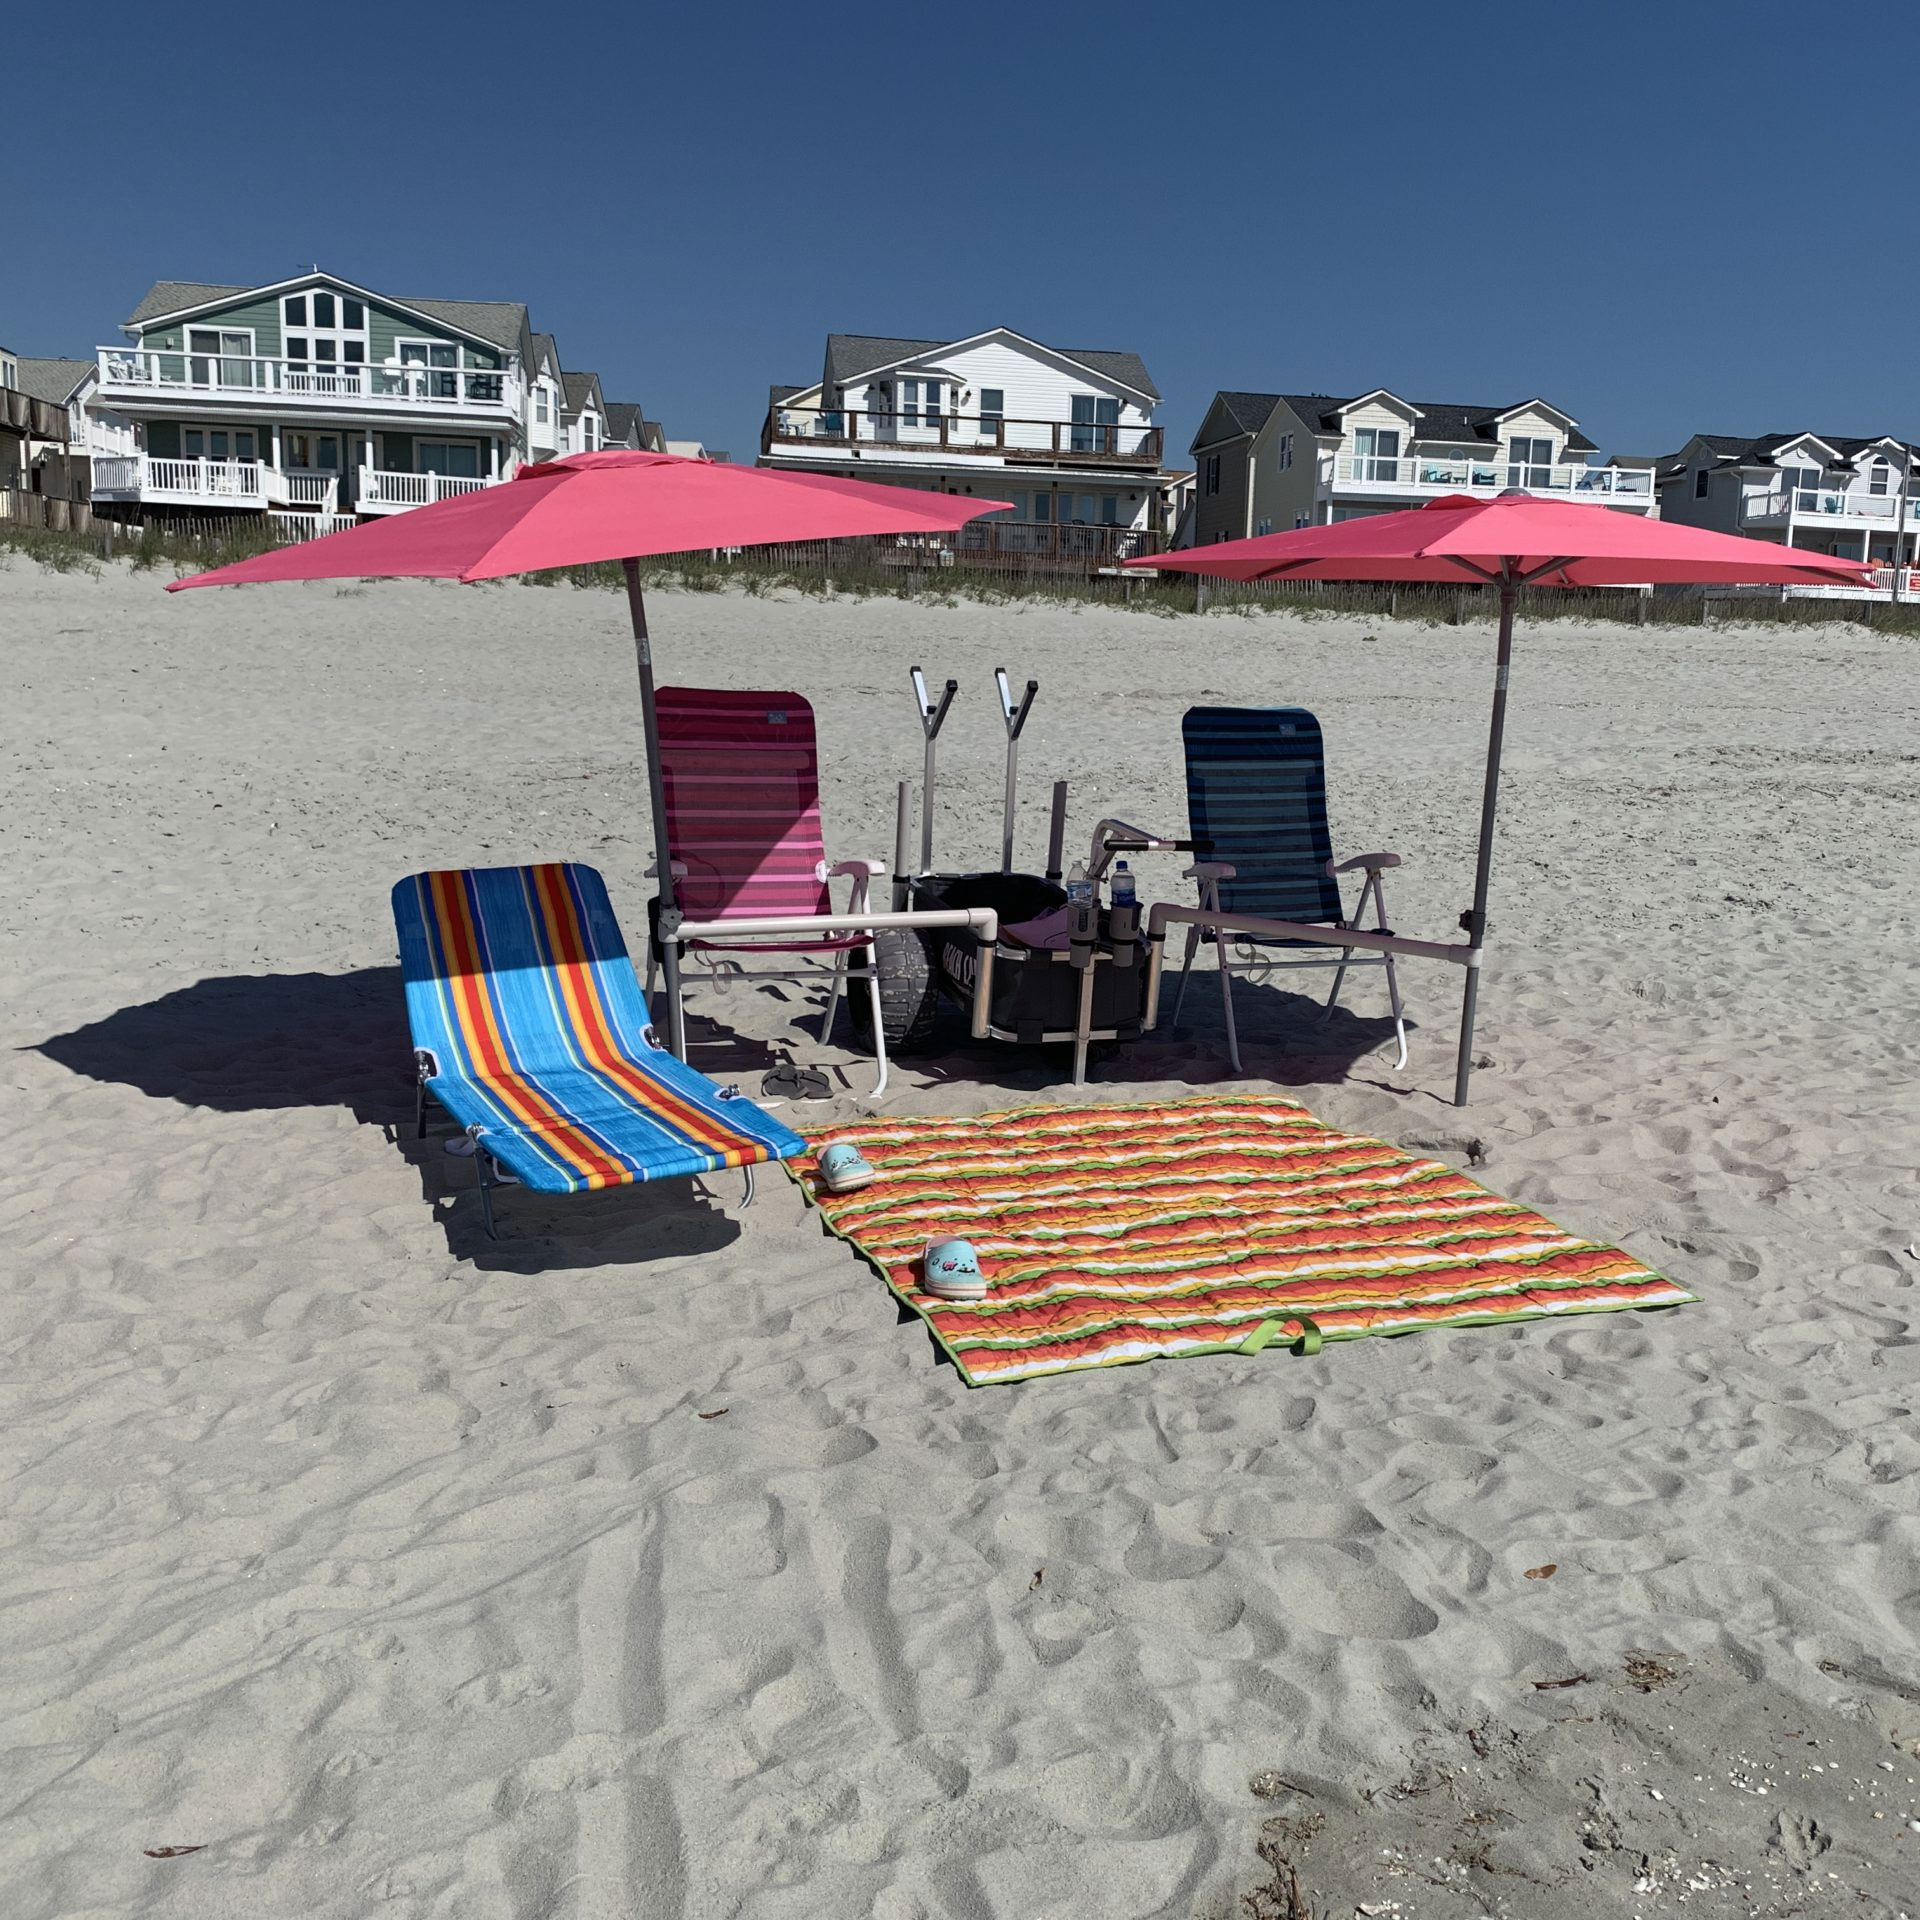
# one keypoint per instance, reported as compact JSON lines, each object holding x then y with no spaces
{"x":1701,"y":481}
{"x":1211,"y":481}
{"x":441,"y":381}
{"x":220,"y":356}
{"x":1803,"y":484}
{"x":1530,"y":462}
{"x":911,"y":402}
{"x":1284,"y":452}
{"x":540,"y":405}
{"x":218,"y":443}
{"x":1262,"y":526}
{"x":993,"y":410}
{"x":1095,"y":423}
{"x":1109,"y":509}
{"x":353,"y":316}
{"x":324,"y":334}
{"x":589,"y":432}
{"x":1880,"y":480}
{"x":1300,"y":520}
{"x":323,"y":315}
{"x":1376,"y":453}
{"x":294,"y":307}
{"x":457,"y":459}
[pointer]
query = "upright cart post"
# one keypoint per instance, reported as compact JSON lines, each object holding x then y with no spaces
{"x":1015,"y":718}
{"x":932,"y":719}
{"x":1057,"y":831}
{"x":902,"y":835}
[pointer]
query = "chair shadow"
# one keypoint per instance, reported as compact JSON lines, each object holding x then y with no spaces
{"x":1288,"y":1039}
{"x":274,"y":1042}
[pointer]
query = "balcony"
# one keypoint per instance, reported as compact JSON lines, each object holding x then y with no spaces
{"x":1416,"y":475}
{"x":989,"y":439}
{"x":144,"y":479}
{"x":130,"y":376}
{"x":381,"y":491}
{"x":1785,"y":505}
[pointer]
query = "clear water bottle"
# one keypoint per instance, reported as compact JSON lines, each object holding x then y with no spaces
{"x":1123,"y":923}
{"x":1123,"y":891}
{"x":1083,"y":915}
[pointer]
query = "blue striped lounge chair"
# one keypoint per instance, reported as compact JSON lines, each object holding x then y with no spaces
{"x":530,"y":1030}
{"x":1257,"y":816}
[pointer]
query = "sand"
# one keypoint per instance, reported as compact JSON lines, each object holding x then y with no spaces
{"x":396,"y":1570}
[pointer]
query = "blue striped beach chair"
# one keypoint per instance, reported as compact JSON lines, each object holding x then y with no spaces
{"x":530,"y":1030}
{"x":1257,"y":816}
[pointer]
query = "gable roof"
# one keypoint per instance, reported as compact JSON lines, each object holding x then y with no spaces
{"x":546,"y":349}
{"x":1241,"y":412}
{"x":500,"y":323}
{"x":1733,"y":450}
{"x":1440,"y":420}
{"x":578,"y":388}
{"x":849,"y":355}
{"x":626,"y":422}
{"x":53,"y":380}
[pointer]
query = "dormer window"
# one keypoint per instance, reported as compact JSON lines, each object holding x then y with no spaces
{"x":1530,"y":462}
{"x":1880,"y":480}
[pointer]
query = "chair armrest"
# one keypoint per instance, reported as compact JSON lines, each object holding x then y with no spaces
{"x":873,"y":869}
{"x":653,"y":870}
{"x":1373,"y":862}
{"x":1211,"y":870}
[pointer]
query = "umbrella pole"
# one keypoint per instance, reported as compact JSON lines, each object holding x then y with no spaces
{"x":670,"y":915}
{"x":1475,"y":920}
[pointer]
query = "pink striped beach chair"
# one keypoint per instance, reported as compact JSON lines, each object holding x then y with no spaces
{"x":742,"y":779}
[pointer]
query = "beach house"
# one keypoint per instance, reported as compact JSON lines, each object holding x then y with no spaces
{"x":42,"y":425}
{"x":1269,"y":462}
{"x":313,"y":397}
{"x":1833,"y":493}
{"x":1066,"y":433}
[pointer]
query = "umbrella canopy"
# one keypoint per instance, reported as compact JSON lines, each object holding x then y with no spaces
{"x":617,"y":505}
{"x":1549,"y":543}
{"x":1509,"y":542}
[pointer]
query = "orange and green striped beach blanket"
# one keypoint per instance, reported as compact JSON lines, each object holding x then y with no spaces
{"x":1138,"y":1232}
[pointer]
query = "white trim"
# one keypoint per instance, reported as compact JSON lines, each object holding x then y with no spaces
{"x":217,"y":353}
{"x":1544,"y":406}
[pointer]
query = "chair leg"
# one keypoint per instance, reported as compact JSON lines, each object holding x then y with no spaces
{"x":486,"y":1188}
{"x":1339,"y":974}
{"x":1186,"y":974}
{"x":879,"y":1028}
{"x":653,"y":967}
{"x":833,"y":996}
{"x":746,"y":1199}
{"x":419,"y":1109}
{"x":1226,"y":997}
{"x":1399,"y":1015}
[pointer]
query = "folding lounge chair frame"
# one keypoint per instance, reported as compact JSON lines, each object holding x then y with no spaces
{"x":1257,"y":790}
{"x":529,"y":1029}
{"x":740,"y":772}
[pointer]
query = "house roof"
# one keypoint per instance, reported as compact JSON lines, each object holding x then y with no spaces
{"x":498,"y":322}
{"x":1446,"y":421}
{"x":625,"y":420}
{"x":777,"y":392}
{"x":53,"y":380}
{"x":851,"y":354}
{"x":579,"y":388}
{"x":1245,"y":412}
{"x":547,"y":349}
{"x":1757,"y":451}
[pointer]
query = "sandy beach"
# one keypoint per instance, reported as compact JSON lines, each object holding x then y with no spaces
{"x":645,"y":1562}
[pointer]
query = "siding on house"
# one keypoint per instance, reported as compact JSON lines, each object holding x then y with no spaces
{"x":385,"y":328}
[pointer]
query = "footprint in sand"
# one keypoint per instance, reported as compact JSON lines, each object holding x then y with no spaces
{"x":1345,"y":1592}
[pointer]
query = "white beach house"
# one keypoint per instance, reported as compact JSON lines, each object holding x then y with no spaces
{"x":1269,"y":462}
{"x":1067,"y":434}
{"x":1829,"y":493}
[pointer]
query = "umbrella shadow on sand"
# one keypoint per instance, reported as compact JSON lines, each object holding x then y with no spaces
{"x":274,"y":1042}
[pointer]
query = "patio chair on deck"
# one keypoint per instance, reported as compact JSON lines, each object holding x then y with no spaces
{"x":742,"y":780}
{"x":1257,"y":813}
{"x":529,"y":1029}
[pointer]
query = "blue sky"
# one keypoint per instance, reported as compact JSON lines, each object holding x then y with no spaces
{"x":1472,"y":202}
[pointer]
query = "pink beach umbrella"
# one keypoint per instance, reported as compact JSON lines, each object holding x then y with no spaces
{"x":618,"y":505}
{"x":1517,"y":540}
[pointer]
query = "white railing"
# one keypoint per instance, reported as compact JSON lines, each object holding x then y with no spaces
{"x":319,"y":490}
{"x":1824,"y":503}
{"x":138,"y":371}
{"x":242,"y":482}
{"x":379,"y":488}
{"x":1413,"y":473}
{"x":310,"y":526}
